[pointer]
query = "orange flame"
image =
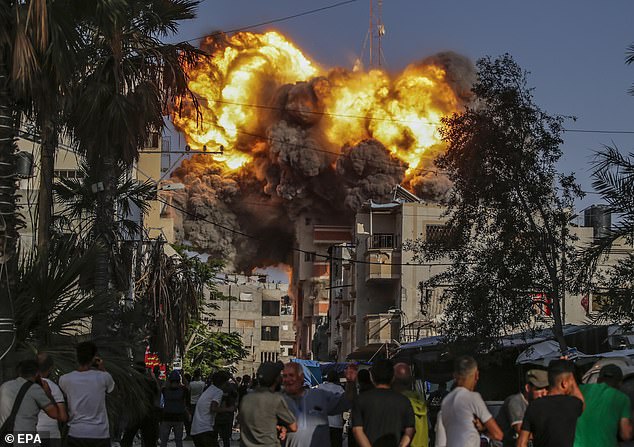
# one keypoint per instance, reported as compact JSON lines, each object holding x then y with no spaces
{"x":236,"y":84}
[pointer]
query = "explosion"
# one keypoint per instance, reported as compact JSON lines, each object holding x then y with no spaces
{"x":298,"y":139}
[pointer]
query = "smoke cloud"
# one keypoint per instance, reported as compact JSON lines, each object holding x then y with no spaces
{"x":298,"y":166}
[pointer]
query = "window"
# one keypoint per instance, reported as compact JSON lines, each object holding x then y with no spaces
{"x":437,"y":233}
{"x":382,"y":240}
{"x":216,"y":323}
{"x":270,"y":308}
{"x":68,"y":173}
{"x":598,"y":301}
{"x":245,"y":324}
{"x":309,"y":256}
{"x":246,"y":296}
{"x":269,"y":356}
{"x":270,"y":333}
{"x":153,"y":140}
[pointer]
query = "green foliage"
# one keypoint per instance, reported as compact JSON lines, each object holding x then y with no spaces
{"x":507,"y":213}
{"x":615,"y":285}
{"x":209,"y":351}
{"x":613,"y":176}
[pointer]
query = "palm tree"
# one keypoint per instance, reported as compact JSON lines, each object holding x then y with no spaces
{"x":613,"y":175}
{"x":22,"y":33}
{"x":128,"y":81}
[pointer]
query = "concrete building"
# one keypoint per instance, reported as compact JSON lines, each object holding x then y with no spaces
{"x":376,"y":300}
{"x":262,"y":313}
{"x":310,"y":283}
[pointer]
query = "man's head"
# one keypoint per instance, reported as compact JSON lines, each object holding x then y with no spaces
{"x":27,"y":369}
{"x":197,"y":374}
{"x":536,"y":384}
{"x":293,"y":378}
{"x":44,"y":364}
{"x":611,"y":375}
{"x":403,"y":379}
{"x":86,"y":353}
{"x":561,"y":377}
{"x":269,"y":374}
{"x":220,"y":378}
{"x":465,"y":372}
{"x":332,"y":376}
{"x":174,"y":377}
{"x":382,"y":372}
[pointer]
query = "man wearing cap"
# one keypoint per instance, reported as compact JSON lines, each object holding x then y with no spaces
{"x":552,"y":419}
{"x":608,"y":411}
{"x":512,"y":412}
{"x":263,"y":410}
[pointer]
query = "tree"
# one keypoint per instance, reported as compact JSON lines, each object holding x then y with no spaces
{"x":209,"y":351}
{"x":21,"y":34}
{"x":129,"y":78}
{"x":613,"y":175}
{"x":507,"y":228}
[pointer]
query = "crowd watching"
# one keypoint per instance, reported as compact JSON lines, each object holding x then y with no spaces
{"x":377,"y":405}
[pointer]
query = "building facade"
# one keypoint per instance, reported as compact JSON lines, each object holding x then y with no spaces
{"x":261,"y":313}
{"x":376,"y":298}
{"x":310,"y":283}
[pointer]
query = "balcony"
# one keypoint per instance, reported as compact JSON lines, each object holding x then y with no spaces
{"x":381,"y":328}
{"x":383,"y":265}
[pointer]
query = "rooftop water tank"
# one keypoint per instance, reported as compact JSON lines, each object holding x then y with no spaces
{"x":599,"y":218}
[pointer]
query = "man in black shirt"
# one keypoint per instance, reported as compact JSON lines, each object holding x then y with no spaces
{"x":552,"y":419}
{"x":382,"y":417}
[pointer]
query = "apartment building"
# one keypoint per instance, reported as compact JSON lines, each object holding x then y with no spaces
{"x":376,"y":299}
{"x":262,"y":313}
{"x":310,"y":282}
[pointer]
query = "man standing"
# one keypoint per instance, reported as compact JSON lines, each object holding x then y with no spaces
{"x":404,"y":384}
{"x":511,"y":414}
{"x":312,"y":406}
{"x":196,"y":388}
{"x":608,"y":411}
{"x":207,"y":407}
{"x":47,"y":427}
{"x":463,"y":408}
{"x":32,"y":397}
{"x":335,"y":422}
{"x":174,"y":410}
{"x":85,"y":390}
{"x":382,"y":417}
{"x":552,"y":419}
{"x":263,"y":410}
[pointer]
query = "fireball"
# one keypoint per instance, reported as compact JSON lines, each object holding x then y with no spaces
{"x":239,"y":85}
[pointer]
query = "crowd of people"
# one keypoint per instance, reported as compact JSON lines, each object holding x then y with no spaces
{"x":277,"y":408}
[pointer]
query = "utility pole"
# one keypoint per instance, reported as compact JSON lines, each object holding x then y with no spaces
{"x":229,"y":331}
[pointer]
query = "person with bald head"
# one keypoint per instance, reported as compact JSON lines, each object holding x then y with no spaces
{"x":312,"y":406}
{"x":464,"y":409}
{"x":404,"y":384}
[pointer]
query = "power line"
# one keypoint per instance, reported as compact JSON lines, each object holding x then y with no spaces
{"x":269,"y":22}
{"x":394,"y":120}
{"x":299,"y":250}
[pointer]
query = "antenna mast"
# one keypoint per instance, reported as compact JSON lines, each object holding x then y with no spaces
{"x":376,"y":31}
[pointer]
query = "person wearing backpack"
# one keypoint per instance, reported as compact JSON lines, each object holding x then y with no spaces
{"x":174,"y":414}
{"x":22,"y":399}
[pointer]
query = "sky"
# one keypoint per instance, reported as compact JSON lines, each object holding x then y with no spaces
{"x":574,"y":50}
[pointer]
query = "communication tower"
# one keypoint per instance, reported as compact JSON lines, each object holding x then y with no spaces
{"x":374,"y":36}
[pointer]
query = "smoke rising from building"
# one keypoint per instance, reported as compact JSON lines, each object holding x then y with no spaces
{"x":303,"y":141}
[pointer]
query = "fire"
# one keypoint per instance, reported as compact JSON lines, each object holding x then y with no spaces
{"x":232,"y":81}
{"x":238,"y":84}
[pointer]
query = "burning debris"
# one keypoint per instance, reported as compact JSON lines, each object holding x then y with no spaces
{"x":300,"y":140}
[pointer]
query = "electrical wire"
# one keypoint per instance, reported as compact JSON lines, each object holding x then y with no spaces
{"x":271,"y":21}
{"x":299,"y":250}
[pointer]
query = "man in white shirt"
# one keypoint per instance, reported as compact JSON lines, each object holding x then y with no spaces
{"x":85,"y":390}
{"x":463,"y":409}
{"x":36,"y":397}
{"x":208,"y":405}
{"x":196,"y":388}
{"x":47,"y":427}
